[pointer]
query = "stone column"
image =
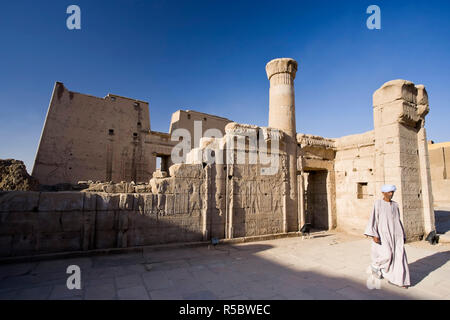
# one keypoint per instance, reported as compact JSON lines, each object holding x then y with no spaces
{"x":331,"y":196}
{"x":301,"y":201}
{"x":398,"y":120}
{"x":281,"y":74}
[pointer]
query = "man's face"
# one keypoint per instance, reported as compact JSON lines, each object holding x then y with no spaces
{"x":388,"y":195}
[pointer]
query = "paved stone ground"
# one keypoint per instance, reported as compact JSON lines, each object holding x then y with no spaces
{"x":329,"y":265}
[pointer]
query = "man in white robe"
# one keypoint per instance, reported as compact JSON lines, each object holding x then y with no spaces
{"x":388,"y":250}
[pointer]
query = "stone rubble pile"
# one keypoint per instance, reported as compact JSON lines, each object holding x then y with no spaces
{"x":14,"y":176}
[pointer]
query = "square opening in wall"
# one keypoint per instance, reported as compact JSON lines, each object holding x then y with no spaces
{"x":363,"y":192}
{"x":162,"y":163}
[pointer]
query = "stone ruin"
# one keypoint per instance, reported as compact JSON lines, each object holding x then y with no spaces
{"x":14,"y":176}
{"x":221,"y":191}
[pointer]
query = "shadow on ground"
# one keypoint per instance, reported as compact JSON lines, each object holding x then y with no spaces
{"x":243,"y":271}
{"x":442,"y":220}
{"x":226,"y":271}
{"x":421,"y":268}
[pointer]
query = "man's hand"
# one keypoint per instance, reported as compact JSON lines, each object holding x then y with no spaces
{"x":376,"y":240}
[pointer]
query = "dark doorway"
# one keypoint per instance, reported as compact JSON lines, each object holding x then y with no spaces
{"x":162,"y":163}
{"x":315,"y":199}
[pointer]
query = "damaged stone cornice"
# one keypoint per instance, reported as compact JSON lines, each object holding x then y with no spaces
{"x":315,"y":141}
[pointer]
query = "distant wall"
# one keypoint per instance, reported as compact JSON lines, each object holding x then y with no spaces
{"x":90,"y":138}
{"x":186,"y":119}
{"x":158,"y":144}
{"x":439,"y":154}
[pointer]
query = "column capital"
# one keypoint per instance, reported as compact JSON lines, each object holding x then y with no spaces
{"x":401,"y":101}
{"x":395,"y":90}
{"x":281,"y":65}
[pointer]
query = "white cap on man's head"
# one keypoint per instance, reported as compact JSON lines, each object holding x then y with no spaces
{"x":388,"y":188}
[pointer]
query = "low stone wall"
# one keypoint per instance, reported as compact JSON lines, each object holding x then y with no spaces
{"x":48,"y":222}
{"x":195,"y":202}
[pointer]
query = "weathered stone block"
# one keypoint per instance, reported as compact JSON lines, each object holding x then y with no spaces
{"x":387,"y":131}
{"x":181,"y":203}
{"x":61,"y":201}
{"x":162,"y":185}
{"x":105,"y":220}
{"x":187,"y":171}
{"x":146,"y":236}
{"x":122,"y":220}
{"x":88,"y":230}
{"x":122,"y":239}
{"x":392,"y":159}
{"x":148,"y":204}
{"x":194,"y":227}
{"x":172,"y":235}
{"x":17,"y":222}
{"x":395,"y":90}
{"x":195,"y":201}
{"x":6,"y":245}
{"x":105,"y":239}
{"x":138,"y":203}
{"x":161,"y":204}
{"x":23,"y":244}
{"x":140,"y":221}
{"x":59,"y":241}
{"x":196,"y":213}
{"x":159,"y":174}
{"x":19,"y":201}
{"x":49,"y":221}
{"x":107,"y":202}
{"x":143,"y":189}
{"x":134,"y":238}
{"x":218,"y":230}
{"x":195,"y":236}
{"x":169,"y":209}
{"x":72,"y":220}
{"x":90,"y":201}
{"x":116,"y":188}
{"x":126,"y":201}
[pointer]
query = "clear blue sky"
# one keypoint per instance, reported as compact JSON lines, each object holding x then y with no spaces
{"x":210,"y":56}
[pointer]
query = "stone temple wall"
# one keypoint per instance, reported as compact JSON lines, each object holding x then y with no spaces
{"x":355,"y":181}
{"x":257,"y":202}
{"x":245,"y":199}
{"x":90,"y":138}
